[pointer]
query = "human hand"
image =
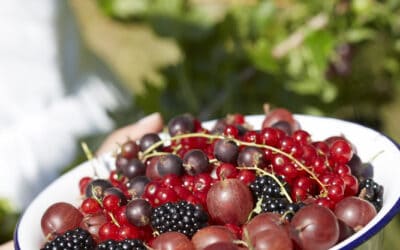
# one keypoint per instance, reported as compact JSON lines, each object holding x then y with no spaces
{"x":150,"y":124}
{"x":7,"y":246}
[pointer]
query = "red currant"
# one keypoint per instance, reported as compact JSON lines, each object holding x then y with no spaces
{"x":341,"y":151}
{"x":202,"y":183}
{"x":171,"y":181}
{"x":226,"y":171}
{"x":128,"y":232}
{"x":302,"y":137}
{"x":83,"y":182}
{"x":111,"y":202}
{"x":351,"y":185}
{"x":165,"y":195}
{"x":246,"y":176}
{"x":231,"y":131}
{"x":108,"y":231}
{"x":90,"y":206}
{"x":269,"y":136}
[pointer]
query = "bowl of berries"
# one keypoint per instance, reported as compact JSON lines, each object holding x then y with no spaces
{"x":258,"y":182}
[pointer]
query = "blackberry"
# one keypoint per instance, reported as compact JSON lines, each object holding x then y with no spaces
{"x":372,"y":192}
{"x":72,"y":239}
{"x":181,"y":217}
{"x":266,"y":189}
{"x":265,"y":186}
{"x":127,"y":244}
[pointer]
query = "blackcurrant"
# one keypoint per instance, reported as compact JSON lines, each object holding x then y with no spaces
{"x":137,"y":185}
{"x":226,"y":151}
{"x":170,"y":164}
{"x":251,"y":157}
{"x":181,"y":124}
{"x":147,"y":140}
{"x":195,"y":162}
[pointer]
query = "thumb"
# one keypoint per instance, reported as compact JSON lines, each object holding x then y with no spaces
{"x":150,"y":124}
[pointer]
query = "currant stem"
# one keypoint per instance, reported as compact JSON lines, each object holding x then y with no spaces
{"x":181,"y":136}
{"x":263,"y":172}
{"x":240,"y":242}
{"x":301,"y":165}
{"x":241,"y":143}
{"x":89,"y":156}
{"x":113,"y":219}
{"x":145,"y":157}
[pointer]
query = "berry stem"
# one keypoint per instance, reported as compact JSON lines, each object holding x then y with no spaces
{"x":181,"y":136}
{"x":263,"y":172}
{"x":113,"y":219}
{"x":324,"y":191}
{"x":90,"y":157}
{"x":145,"y":157}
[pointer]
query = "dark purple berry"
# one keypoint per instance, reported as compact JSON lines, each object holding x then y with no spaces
{"x":226,"y":151}
{"x":195,"y":162}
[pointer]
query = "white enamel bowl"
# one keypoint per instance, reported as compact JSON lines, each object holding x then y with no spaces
{"x":369,"y":143}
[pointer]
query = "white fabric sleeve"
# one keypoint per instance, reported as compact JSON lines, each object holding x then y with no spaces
{"x":34,"y":150}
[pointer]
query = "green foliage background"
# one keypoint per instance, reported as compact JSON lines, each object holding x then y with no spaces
{"x":239,"y":54}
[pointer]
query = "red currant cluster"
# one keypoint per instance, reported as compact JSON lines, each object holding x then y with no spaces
{"x":212,"y":181}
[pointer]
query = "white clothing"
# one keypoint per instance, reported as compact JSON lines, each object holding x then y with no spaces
{"x":52,"y":92}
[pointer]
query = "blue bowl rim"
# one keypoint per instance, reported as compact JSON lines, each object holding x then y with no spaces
{"x":351,"y":245}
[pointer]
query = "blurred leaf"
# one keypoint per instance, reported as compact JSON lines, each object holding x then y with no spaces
{"x":124,"y":8}
{"x":320,"y":44}
{"x":359,"y":35}
{"x":261,"y":56}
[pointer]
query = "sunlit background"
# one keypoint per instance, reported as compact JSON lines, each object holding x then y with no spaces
{"x":331,"y":58}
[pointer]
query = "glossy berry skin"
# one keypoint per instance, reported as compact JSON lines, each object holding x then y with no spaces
{"x":165,"y":195}
{"x":148,"y":140}
{"x":181,"y":124}
{"x":251,"y":157}
{"x":226,"y":151}
{"x":130,"y":168}
{"x":202,"y":183}
{"x":128,"y":232}
{"x":229,"y":201}
{"x":111,"y":203}
{"x":246,"y":176}
{"x":195,"y":162}
{"x":108,"y":231}
{"x":138,"y":212}
{"x":269,"y":136}
{"x":170,"y":164}
{"x":226,"y":170}
{"x":136,"y":186}
{"x":231,"y":131}
{"x":341,"y":151}
{"x":83,"y":182}
{"x":90,"y":206}
{"x":129,"y":149}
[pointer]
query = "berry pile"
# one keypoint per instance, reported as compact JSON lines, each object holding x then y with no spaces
{"x":232,"y":183}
